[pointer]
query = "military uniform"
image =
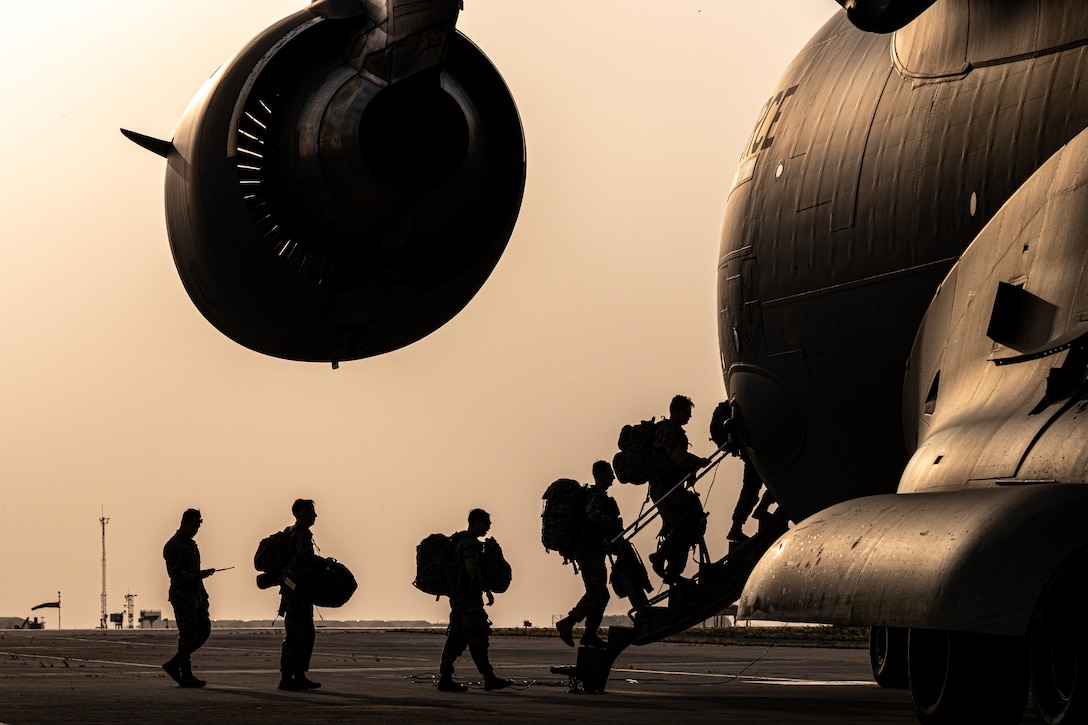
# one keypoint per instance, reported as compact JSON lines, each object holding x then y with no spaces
{"x":724,"y":432}
{"x":602,"y":524}
{"x":188,"y":597}
{"x":297,"y":611}
{"x":469,"y":625}
{"x":683,"y":522}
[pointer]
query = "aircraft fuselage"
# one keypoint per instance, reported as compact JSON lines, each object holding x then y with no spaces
{"x":867,"y":175}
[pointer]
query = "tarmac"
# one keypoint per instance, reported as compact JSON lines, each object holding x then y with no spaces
{"x":380,"y":676}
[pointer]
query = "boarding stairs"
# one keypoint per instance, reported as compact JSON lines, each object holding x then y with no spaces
{"x":681,"y":605}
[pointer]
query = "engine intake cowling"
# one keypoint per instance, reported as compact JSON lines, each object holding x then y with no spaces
{"x":339,"y":190}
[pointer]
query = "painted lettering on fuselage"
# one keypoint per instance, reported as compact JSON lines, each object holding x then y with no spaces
{"x":763,"y":134}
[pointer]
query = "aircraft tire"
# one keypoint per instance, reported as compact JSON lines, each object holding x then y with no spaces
{"x":888,"y":656}
{"x":1058,"y":654}
{"x":960,"y":677}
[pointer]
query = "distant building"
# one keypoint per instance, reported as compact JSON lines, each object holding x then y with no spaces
{"x":21,"y":623}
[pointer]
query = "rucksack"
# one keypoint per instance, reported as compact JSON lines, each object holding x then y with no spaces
{"x":497,"y":571}
{"x":272,"y":558}
{"x":434,"y":565}
{"x":723,"y":429}
{"x":563,"y":517}
{"x":636,"y":443}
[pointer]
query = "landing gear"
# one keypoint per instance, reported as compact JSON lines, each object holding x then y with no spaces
{"x":888,"y":656}
{"x":959,"y":677}
{"x":1058,"y":654}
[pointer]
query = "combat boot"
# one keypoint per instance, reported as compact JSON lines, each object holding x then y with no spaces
{"x":495,"y":683}
{"x":289,"y":681}
{"x":592,"y":640}
{"x":446,"y":684}
{"x":306,"y":683}
{"x":566,"y":630}
{"x":173,"y":669}
{"x":187,"y":679}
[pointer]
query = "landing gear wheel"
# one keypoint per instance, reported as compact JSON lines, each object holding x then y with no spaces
{"x":958,"y":677}
{"x":1058,"y":654}
{"x":888,"y":656}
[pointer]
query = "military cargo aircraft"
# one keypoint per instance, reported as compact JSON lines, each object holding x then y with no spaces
{"x":903,"y":306}
{"x":903,"y":326}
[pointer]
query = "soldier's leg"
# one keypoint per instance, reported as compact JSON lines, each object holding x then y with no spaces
{"x":746,"y":501}
{"x":688,"y":530}
{"x":298,"y":637}
{"x":595,"y":576}
{"x":477,"y":634}
{"x":187,"y":617}
{"x":173,"y":666}
{"x":764,"y":504}
{"x":203,"y":627}
{"x":191,"y":618}
{"x":667,"y":547}
{"x":587,"y":603}
{"x":455,"y":643}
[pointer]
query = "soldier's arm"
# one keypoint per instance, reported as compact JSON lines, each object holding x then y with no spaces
{"x":676,"y":447}
{"x":602,"y":511}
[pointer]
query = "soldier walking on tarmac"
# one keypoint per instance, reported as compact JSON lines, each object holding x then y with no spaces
{"x":469,"y":625}
{"x":188,"y":597}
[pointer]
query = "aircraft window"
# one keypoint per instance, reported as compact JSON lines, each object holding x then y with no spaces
{"x":974,"y":203}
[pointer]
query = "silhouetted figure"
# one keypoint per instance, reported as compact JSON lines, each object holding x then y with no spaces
{"x":469,"y":625}
{"x":188,"y":597}
{"x":725,"y":431}
{"x":295,"y":606}
{"x":602,"y":524}
{"x":683,"y":521}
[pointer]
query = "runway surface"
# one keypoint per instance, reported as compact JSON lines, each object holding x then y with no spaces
{"x":114,"y":676}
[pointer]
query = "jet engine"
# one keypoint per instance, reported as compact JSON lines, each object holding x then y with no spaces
{"x":345,"y":184}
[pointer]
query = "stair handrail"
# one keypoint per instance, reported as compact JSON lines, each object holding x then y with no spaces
{"x":651,"y":513}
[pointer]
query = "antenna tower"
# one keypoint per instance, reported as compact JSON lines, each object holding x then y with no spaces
{"x":104,"y":520}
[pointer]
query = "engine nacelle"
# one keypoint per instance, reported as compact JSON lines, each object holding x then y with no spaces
{"x":346,"y":183}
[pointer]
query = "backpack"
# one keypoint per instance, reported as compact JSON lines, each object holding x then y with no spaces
{"x":434,"y":565}
{"x":272,"y":557}
{"x":497,"y":571}
{"x":636,"y":443}
{"x":563,"y":517}
{"x":723,"y":429}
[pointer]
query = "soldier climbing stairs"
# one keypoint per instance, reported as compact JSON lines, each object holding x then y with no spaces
{"x":683,"y":604}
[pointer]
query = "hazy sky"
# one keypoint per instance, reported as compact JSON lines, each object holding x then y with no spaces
{"x":117,"y":393}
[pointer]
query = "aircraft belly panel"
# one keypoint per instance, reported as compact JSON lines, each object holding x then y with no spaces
{"x":969,"y":561}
